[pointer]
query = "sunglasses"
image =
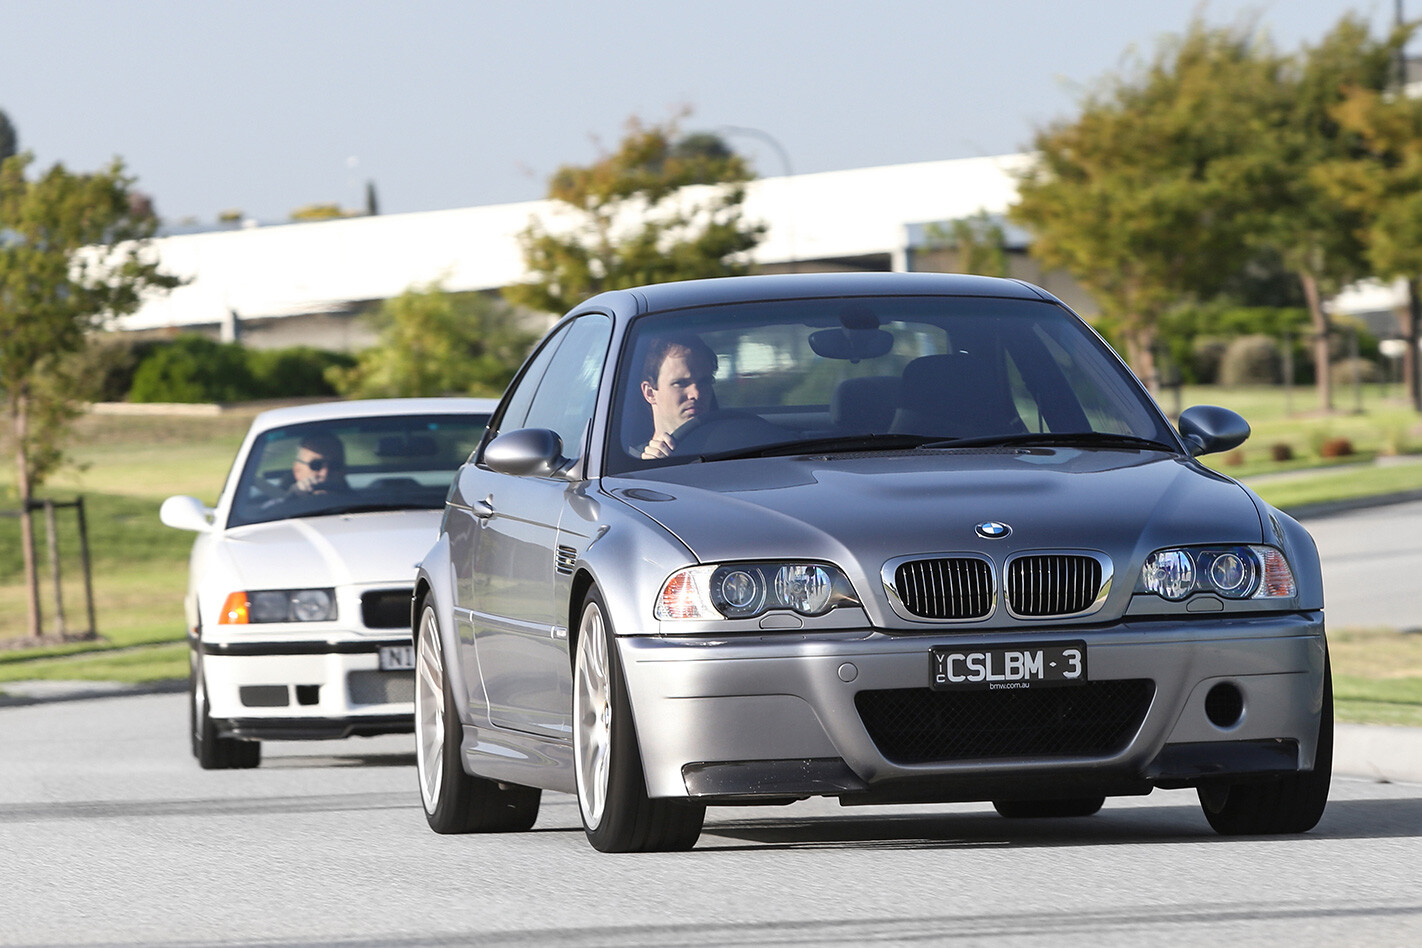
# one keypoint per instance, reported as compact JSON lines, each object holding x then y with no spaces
{"x":316,"y":464}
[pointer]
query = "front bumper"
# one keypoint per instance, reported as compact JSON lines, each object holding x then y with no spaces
{"x":307,"y":690}
{"x":851,"y":714}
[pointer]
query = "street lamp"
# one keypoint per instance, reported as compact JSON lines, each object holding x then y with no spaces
{"x":774,"y":143}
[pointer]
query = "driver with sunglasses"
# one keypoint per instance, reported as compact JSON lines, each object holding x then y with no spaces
{"x":320,"y":466}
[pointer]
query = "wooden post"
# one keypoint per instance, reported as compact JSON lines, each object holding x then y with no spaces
{"x":53,"y":537}
{"x":93,"y":632}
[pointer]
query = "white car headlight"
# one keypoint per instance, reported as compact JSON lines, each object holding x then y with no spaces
{"x":747,"y":590}
{"x":278,"y":605}
{"x":1232,"y":572}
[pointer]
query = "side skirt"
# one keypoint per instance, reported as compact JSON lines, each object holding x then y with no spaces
{"x":529,"y":760}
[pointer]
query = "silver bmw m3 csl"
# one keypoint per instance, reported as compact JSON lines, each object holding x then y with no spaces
{"x":883,"y":537}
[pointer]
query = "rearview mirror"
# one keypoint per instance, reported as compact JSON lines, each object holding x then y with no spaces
{"x":527,"y":452}
{"x":186,"y":513}
{"x":1209,"y":429}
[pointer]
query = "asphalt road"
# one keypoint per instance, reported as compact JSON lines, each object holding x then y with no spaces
{"x":1372,"y":559}
{"x":111,"y":835}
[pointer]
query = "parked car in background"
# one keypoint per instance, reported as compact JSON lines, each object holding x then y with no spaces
{"x":298,"y":602}
{"x":882,"y":537}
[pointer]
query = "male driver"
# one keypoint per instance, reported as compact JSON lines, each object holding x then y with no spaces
{"x":677,"y":382}
{"x":319,"y":466}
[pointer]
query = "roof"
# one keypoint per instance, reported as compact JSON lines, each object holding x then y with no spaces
{"x":371,"y":408}
{"x":809,"y":285}
{"x":325,"y":266}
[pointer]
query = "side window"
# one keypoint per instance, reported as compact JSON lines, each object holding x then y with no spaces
{"x":516,"y":408}
{"x":567,"y":395}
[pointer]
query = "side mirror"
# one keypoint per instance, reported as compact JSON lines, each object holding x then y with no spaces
{"x":527,"y":452}
{"x":186,"y":513}
{"x":1209,"y":429}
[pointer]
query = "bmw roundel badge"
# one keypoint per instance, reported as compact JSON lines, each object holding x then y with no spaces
{"x":992,"y":530}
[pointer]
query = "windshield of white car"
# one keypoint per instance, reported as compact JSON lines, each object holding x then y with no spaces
{"x":346,"y":465}
{"x":871,"y":373}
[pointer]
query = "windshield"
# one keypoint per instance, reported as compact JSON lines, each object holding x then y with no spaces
{"x":869,"y":373}
{"x":356,"y":464}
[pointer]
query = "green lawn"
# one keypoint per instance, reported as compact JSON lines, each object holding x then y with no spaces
{"x":128,"y":464}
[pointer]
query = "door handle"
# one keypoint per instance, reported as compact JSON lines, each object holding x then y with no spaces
{"x":483,"y":509}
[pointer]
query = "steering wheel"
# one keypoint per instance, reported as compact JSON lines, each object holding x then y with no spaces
{"x":694,"y":433}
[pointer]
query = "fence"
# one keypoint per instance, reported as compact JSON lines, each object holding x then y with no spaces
{"x":48,"y":507}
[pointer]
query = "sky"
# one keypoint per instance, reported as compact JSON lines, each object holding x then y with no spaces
{"x":264,"y":106}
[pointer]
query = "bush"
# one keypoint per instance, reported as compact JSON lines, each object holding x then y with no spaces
{"x":297,"y":372}
{"x":1366,"y":370}
{"x":1335,"y":448}
{"x":1206,"y":353}
{"x":1251,"y":360}
{"x":193,"y":368}
{"x":1281,"y":452}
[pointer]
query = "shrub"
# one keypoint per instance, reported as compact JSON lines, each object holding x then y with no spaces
{"x":193,"y":368}
{"x":296,"y":372}
{"x":1206,"y":352}
{"x":1335,"y":448}
{"x":1281,"y":452}
{"x":1343,"y":372}
{"x":1251,"y":360}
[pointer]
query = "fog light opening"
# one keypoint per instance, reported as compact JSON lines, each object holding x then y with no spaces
{"x":1224,"y":705}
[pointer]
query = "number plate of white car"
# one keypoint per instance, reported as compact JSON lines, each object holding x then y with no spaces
{"x":1008,"y":667}
{"x":397,"y":657}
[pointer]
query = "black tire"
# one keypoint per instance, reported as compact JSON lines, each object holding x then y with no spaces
{"x":455,"y":801}
{"x":617,"y":814}
{"x":1290,"y":804}
{"x":212,"y":751}
{"x":1043,"y":809}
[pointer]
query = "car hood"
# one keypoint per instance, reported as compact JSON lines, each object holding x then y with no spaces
{"x":867,"y":509}
{"x":350,"y":549}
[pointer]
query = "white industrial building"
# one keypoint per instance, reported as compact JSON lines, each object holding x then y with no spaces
{"x":302,"y":283}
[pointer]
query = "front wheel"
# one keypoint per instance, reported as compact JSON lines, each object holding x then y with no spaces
{"x":212,"y":751}
{"x":456,"y":801}
{"x":618,"y":816}
{"x":1290,"y":804}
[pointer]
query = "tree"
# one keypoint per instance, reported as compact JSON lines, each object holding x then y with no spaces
{"x":73,"y":252}
{"x":9,"y":138}
{"x":978,"y":242}
{"x":438,"y":343}
{"x":1143,"y":198}
{"x":1383,"y":183}
{"x":1319,"y":234}
{"x":661,"y":207}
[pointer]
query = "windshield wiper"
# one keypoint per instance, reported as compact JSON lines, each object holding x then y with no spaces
{"x":1074,"y":439}
{"x":836,"y":444}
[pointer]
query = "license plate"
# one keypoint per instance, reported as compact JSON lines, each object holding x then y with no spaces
{"x":397,"y":657}
{"x":1007,"y":667}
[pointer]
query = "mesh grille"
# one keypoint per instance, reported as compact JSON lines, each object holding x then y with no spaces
{"x":1052,"y":584}
{"x":378,"y":687}
{"x":953,"y":588}
{"x":386,"y":608}
{"x":919,"y":725}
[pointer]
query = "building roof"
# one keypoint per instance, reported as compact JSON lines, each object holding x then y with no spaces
{"x":326,"y":266}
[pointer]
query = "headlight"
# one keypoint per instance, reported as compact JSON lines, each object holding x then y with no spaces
{"x":747,"y":590}
{"x":279,"y":605}
{"x":1234,"y":572}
